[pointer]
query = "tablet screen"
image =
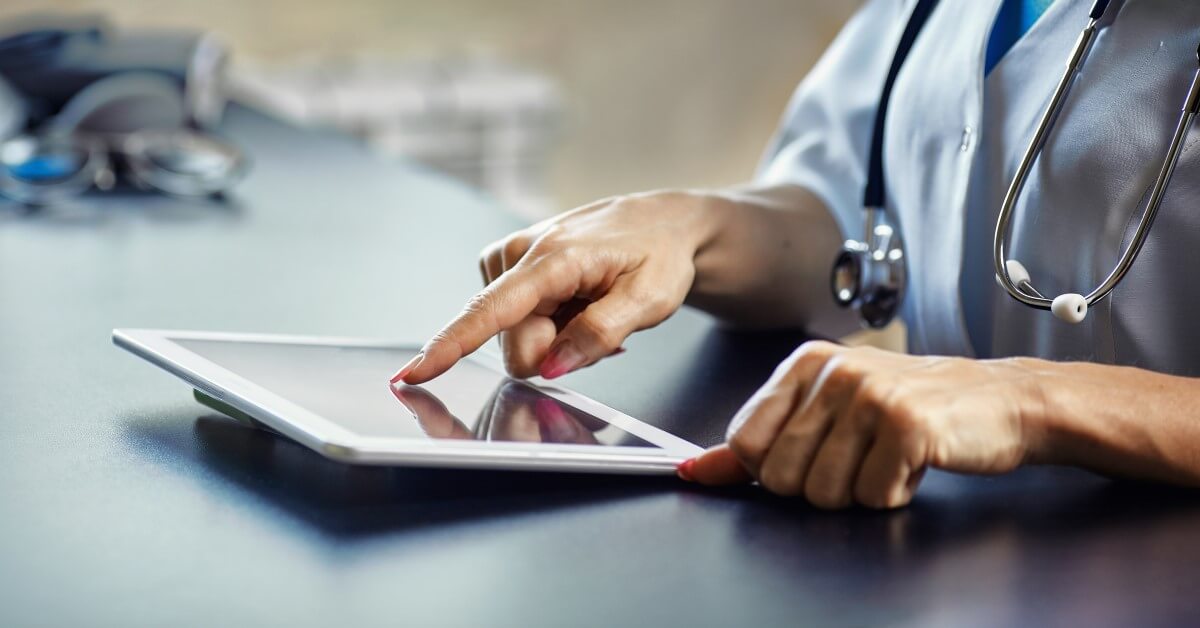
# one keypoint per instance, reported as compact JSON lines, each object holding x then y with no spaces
{"x":349,"y":385}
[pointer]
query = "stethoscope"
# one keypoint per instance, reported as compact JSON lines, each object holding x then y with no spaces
{"x":869,"y":274}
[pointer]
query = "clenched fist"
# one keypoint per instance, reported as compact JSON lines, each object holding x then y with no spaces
{"x":841,"y":425}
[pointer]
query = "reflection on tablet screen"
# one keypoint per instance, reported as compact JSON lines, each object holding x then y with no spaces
{"x":515,"y":412}
{"x":349,"y":385}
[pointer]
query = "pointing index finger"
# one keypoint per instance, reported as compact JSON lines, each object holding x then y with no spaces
{"x":500,"y":306}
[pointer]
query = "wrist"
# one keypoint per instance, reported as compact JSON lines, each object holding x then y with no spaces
{"x":711,"y":230}
{"x":1074,"y":401}
{"x":1040,"y":412}
{"x":706,"y":218}
{"x":752,"y":239}
{"x":762,"y":254}
{"x":1116,"y":420}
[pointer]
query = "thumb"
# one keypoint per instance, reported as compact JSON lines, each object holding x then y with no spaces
{"x":717,"y":466}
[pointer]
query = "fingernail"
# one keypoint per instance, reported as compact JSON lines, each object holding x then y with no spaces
{"x":562,"y":360}
{"x":408,"y":368}
{"x":684,"y":470}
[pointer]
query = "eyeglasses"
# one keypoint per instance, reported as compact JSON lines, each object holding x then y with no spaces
{"x":38,"y":170}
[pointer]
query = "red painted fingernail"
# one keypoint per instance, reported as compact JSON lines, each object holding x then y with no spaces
{"x":562,"y":360}
{"x":684,"y":470}
{"x":408,"y":368}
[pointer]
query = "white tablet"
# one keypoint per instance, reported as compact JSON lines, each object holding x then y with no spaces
{"x":333,"y":396}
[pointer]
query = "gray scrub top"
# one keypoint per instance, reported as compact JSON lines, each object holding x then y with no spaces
{"x":954,"y":139}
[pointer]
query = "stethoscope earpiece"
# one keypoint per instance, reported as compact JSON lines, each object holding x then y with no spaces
{"x":1017,"y":273}
{"x":1071,"y":308}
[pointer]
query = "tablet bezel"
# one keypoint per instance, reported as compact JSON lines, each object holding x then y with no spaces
{"x":330,"y":439}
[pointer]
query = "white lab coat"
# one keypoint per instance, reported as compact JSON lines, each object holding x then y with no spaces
{"x":954,"y":139}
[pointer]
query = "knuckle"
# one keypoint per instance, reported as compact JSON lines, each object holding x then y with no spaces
{"x":748,"y":413}
{"x":871,"y":497}
{"x":553,"y":237}
{"x":824,"y":487}
{"x":446,"y":339}
{"x":511,"y":363}
{"x":656,"y":303}
{"x":801,"y":429}
{"x":802,"y":356}
{"x":600,"y":330}
{"x":489,"y":251}
{"x":748,"y":448}
{"x":480,"y":303}
{"x":481,"y":307}
{"x":816,"y":349}
{"x":875,"y":387}
{"x":516,"y":360}
{"x":781,"y":481}
{"x":843,"y":372}
{"x":569,"y":254}
{"x":874,"y":395}
{"x":896,"y":499}
{"x":552,"y":260}
{"x":812,"y":356}
{"x":903,"y":419}
{"x":824,"y":494}
{"x":519,"y":368}
{"x":513,"y":248}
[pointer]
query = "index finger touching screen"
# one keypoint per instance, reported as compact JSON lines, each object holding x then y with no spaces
{"x":500,"y":306}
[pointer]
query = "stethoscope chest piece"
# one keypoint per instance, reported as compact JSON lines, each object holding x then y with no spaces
{"x":869,"y":275}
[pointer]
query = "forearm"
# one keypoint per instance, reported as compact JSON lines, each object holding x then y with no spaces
{"x":1119,"y":421}
{"x":766,"y":263}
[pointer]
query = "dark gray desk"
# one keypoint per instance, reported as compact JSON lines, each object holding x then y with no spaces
{"x":122,"y":502}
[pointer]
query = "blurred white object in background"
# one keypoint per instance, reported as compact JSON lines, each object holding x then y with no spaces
{"x":483,"y":121}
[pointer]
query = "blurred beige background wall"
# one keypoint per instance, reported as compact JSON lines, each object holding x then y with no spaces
{"x":657,"y":92}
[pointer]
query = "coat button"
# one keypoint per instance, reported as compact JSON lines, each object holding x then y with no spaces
{"x":968,"y":134}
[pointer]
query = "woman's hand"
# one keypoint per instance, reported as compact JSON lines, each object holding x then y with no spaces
{"x":566,"y":292}
{"x":842,"y":425}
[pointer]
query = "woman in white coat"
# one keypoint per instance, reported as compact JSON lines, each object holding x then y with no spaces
{"x":990,"y":383}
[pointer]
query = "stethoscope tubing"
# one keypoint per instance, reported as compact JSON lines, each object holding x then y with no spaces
{"x":1025,"y":292}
